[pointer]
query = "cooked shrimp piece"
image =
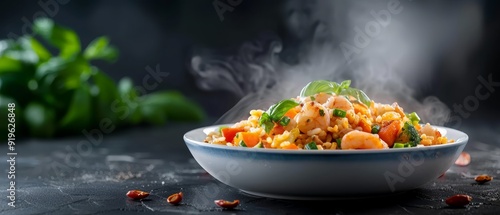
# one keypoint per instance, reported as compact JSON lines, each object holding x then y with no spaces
{"x":430,"y":131}
{"x":322,"y":97}
{"x":339,"y":102}
{"x":362,"y":140}
{"x":312,"y":115}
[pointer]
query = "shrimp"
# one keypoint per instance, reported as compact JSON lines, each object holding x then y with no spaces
{"x":318,"y":97}
{"x":322,"y":97}
{"x":339,"y":102}
{"x":312,"y":115}
{"x":362,"y":140}
{"x":430,"y":131}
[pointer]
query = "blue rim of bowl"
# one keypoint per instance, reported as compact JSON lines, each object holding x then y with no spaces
{"x":464,"y":138}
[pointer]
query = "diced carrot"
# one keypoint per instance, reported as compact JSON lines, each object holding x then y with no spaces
{"x":291,"y":113}
{"x":291,"y":146}
{"x":250,"y":139}
{"x":389,"y":133}
{"x":278,"y":129}
{"x":229,"y":133}
{"x":363,"y":123}
{"x":267,"y":145}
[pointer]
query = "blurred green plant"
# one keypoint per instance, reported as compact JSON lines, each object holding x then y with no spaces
{"x":63,"y":93}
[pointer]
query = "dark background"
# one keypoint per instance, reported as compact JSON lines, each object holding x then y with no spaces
{"x":148,"y":33}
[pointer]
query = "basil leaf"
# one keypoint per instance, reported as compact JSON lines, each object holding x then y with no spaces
{"x":318,"y":86}
{"x":173,"y":105}
{"x":105,"y":94}
{"x":64,"y":39}
{"x":357,"y":94}
{"x":100,"y":49}
{"x":7,"y":64}
{"x":324,"y":86}
{"x":79,"y":113}
{"x":129,"y":98}
{"x":42,"y":53}
{"x":277,"y":111}
{"x":345,"y":84}
{"x":266,"y":122}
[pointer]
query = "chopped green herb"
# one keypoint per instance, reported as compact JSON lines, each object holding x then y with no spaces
{"x":312,"y":98}
{"x":399,"y":145}
{"x":221,"y":127}
{"x":259,"y":145}
{"x":275,"y":113}
{"x":375,"y":128}
{"x":311,"y":146}
{"x":284,"y":121}
{"x":339,"y":113}
{"x":339,"y":143}
{"x":242,"y":144}
{"x":414,"y":118}
{"x":321,"y":112}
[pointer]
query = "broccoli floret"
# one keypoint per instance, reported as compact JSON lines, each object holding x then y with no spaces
{"x":411,"y":133}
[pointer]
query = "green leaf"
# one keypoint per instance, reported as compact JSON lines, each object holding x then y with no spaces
{"x":153,"y":114}
{"x":324,"y":86}
{"x":79,"y":113}
{"x":64,"y":39}
{"x":7,"y":64}
{"x":106,"y":93}
{"x":345,"y":84}
{"x":318,"y":86}
{"x":20,"y":50}
{"x":173,"y":105}
{"x":277,"y":111}
{"x":266,"y":122}
{"x":64,"y":74}
{"x":42,"y":53}
{"x":40,"y":120}
{"x":357,"y":94}
{"x":100,"y":49}
{"x":129,"y":98}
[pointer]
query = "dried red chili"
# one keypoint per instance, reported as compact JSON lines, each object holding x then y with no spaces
{"x":175,"y":198}
{"x":226,"y":204}
{"x":137,"y":194}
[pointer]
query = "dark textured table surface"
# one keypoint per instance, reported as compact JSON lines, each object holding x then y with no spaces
{"x":65,"y":177}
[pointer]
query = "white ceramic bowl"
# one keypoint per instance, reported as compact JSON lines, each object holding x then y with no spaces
{"x":327,"y":174}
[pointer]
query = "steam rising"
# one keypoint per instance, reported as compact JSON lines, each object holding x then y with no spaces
{"x":393,"y":63}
